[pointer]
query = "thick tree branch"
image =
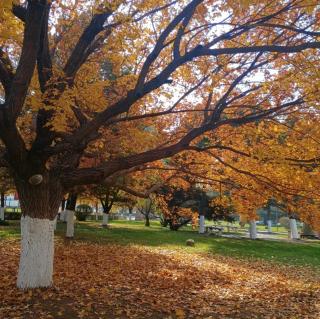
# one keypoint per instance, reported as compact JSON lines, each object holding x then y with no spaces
{"x":80,"y":50}
{"x":20,"y":84}
{"x":44,"y":59}
{"x":98,"y":174}
{"x":6,"y":72}
{"x":20,"y":12}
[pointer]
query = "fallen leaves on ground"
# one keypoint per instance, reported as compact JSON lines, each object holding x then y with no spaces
{"x":111,"y":281}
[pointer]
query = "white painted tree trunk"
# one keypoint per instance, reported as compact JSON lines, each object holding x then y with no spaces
{"x":1,"y":213}
{"x":70,"y":223}
{"x":202,"y":227}
{"x":293,"y":228}
{"x":105,"y":220}
{"x":63,"y":216}
{"x":36,"y":258}
{"x":269,"y":223}
{"x":253,"y":229}
{"x":55,"y":223}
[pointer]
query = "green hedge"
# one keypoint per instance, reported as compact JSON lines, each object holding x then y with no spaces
{"x":12,"y":215}
{"x":82,"y":212}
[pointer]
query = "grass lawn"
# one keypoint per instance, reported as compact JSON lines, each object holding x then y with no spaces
{"x":135,"y":233}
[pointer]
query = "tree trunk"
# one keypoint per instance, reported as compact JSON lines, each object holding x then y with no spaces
{"x":39,"y":205}
{"x":63,"y":216}
{"x":130,"y":213}
{"x":269,"y":224}
{"x":105,"y":219}
{"x":36,"y":259}
{"x":147,"y":223}
{"x":2,"y":207}
{"x":63,"y":210}
{"x":71,"y":207}
{"x":202,"y":227}
{"x":70,"y":223}
{"x":253,"y":229}
{"x":293,"y":228}
{"x":55,"y":223}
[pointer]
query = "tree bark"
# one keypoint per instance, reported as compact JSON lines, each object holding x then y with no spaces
{"x":293,"y":228}
{"x":71,"y":207}
{"x":2,"y":207}
{"x":39,"y":204}
{"x":70,"y":223}
{"x":105,"y":219}
{"x":36,"y":259}
{"x":253,"y":229}
{"x":130,"y":214}
{"x":202,"y":227}
{"x":63,"y":210}
{"x":55,"y":223}
{"x":269,"y":224}
{"x":147,"y":223}
{"x":63,"y":216}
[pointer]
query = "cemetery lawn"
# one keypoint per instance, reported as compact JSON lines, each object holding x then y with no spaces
{"x":130,"y":271}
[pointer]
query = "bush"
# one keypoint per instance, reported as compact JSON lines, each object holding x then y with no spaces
{"x":82,"y":212}
{"x":12,"y":215}
{"x":4,"y":223}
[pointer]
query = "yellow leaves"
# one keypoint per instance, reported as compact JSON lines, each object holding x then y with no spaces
{"x":10,"y":26}
{"x":180,"y":314}
{"x":309,"y":5}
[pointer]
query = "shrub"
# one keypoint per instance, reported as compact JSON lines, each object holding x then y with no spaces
{"x":12,"y":215}
{"x":83,"y":211}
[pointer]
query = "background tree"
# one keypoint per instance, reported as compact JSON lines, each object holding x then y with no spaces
{"x":147,"y":208}
{"x":107,"y":195}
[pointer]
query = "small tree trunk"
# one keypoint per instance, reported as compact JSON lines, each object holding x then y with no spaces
{"x":63,"y":216}
{"x":55,"y":223}
{"x":130,"y":214}
{"x":70,"y":223}
{"x":2,"y":207}
{"x":71,"y":207}
{"x":105,"y":219}
{"x":63,"y":211}
{"x":147,"y":223}
{"x":269,"y":224}
{"x":293,"y":228}
{"x":253,"y":229}
{"x":202,"y":226}
{"x":1,"y":213}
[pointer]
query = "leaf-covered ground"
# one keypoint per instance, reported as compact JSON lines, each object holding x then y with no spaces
{"x":116,"y":281}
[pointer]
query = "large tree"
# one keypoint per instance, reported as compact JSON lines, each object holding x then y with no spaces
{"x":141,"y":80}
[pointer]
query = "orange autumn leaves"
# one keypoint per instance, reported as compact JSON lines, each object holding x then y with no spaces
{"x":110,"y":281}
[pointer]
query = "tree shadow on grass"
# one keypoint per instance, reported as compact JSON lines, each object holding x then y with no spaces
{"x":274,"y":251}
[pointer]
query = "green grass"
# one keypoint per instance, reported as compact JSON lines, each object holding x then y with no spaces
{"x":135,"y":233}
